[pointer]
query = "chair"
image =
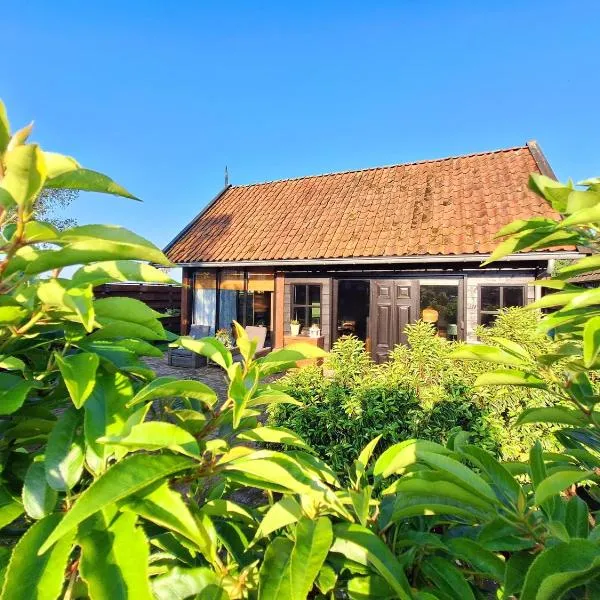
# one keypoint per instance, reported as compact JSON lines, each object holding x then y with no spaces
{"x":258,"y":334}
{"x":181,"y":357}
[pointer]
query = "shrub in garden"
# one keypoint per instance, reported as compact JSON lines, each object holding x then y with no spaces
{"x":421,"y":392}
{"x":97,"y":501}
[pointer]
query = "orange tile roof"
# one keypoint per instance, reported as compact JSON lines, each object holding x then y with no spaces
{"x":447,"y":206}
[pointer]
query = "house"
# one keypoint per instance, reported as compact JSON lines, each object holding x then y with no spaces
{"x":367,"y":251}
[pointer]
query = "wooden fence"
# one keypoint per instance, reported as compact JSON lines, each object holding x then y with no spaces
{"x":162,"y":298}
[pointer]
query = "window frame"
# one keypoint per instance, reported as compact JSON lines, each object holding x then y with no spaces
{"x":500,"y":286}
{"x":306,"y":305}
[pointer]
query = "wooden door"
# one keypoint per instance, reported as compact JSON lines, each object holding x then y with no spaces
{"x":394,"y":304}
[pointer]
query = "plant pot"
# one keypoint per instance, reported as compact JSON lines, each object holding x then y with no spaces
{"x":295,"y":329}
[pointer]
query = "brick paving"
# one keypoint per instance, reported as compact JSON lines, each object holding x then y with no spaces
{"x":213,"y":375}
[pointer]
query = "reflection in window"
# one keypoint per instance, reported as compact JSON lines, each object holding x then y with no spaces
{"x":439,"y":306}
{"x":494,"y":297}
{"x":306,"y":304}
{"x":353,"y":308}
{"x":205,"y":299}
{"x":231,"y":298}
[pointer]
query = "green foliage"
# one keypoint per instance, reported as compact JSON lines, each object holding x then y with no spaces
{"x":98,"y":501}
{"x":421,"y":392}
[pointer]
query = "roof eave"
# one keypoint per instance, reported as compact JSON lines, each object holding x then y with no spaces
{"x":195,"y":220}
{"x":378,"y":260}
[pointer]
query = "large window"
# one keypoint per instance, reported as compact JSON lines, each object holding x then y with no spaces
{"x":306,"y":304}
{"x":439,"y":306}
{"x":494,"y":297}
{"x":205,"y":299}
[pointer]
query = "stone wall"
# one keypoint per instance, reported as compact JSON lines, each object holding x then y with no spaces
{"x":472,"y":295}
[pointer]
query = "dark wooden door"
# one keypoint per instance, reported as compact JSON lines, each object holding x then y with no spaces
{"x":394,"y":304}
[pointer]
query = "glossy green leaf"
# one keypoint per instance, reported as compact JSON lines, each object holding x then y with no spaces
{"x":106,"y":415}
{"x":155,"y":435}
{"x":510,"y":377}
{"x":25,"y":173}
{"x":58,"y":294}
{"x":504,"y":484}
{"x":65,"y":452}
{"x":557,"y":482}
{"x":119,"y":270}
{"x":398,"y":457}
{"x":34,"y":572}
{"x":123,"y":479}
{"x":583,"y":265}
{"x":286,"y":358}
{"x":487,"y":354}
{"x":13,"y":392}
{"x":577,"y":518}
{"x":582,"y":217}
{"x":370,"y":587}
{"x":169,"y":387}
{"x":10,"y":508}
{"x":39,"y":499}
{"x":209,"y":347}
{"x":484,"y":561}
{"x":551,"y":414}
{"x":11,"y":312}
{"x":180,"y":583}
{"x":360,"y":464}
{"x":555,"y":192}
{"x":459,"y":472}
{"x":516,"y":570}
{"x":591,"y":341}
{"x":284,"y":512}
{"x":353,"y":540}
{"x":561,"y":568}
{"x":4,"y":128}
{"x":57,"y":164}
{"x":447,"y":577}
{"x":313,"y":540}
{"x":246,"y":346}
{"x":274,"y":575}
{"x":326,"y":579}
{"x":86,"y":180}
{"x":272,"y":435}
{"x":114,"y":557}
{"x":79,"y":374}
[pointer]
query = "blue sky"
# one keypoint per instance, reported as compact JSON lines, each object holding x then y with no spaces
{"x":162,"y":95}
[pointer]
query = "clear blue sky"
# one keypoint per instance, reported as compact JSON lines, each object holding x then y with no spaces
{"x":162,"y":95}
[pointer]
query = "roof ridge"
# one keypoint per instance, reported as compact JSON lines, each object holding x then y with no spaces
{"x":406,"y":164}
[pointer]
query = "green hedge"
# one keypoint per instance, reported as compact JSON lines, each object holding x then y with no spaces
{"x":421,"y":392}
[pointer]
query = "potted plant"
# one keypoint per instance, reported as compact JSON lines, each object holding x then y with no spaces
{"x":225,"y":337}
{"x":295,"y":327}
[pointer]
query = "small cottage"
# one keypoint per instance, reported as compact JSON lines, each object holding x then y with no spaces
{"x":365,"y":252}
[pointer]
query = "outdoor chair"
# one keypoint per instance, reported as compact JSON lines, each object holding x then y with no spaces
{"x":260,"y":335}
{"x":180,"y":357}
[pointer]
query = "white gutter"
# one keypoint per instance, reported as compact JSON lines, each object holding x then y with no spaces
{"x":380,"y":260}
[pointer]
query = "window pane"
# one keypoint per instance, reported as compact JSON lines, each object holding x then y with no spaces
{"x":205,"y":299}
{"x":488,"y":319}
{"x":444,"y":300}
{"x":490,"y":298}
{"x":299,"y":294}
{"x":299,"y":314}
{"x":513,"y":296}
{"x":315,"y":315}
{"x":314,"y":294}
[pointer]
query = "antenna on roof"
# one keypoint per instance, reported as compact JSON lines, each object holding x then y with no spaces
{"x":226,"y":176}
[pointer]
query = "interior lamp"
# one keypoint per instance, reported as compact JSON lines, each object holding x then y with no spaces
{"x":430,"y":315}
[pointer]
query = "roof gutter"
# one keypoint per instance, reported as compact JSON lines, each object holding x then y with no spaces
{"x":195,"y":219}
{"x":377,"y":260}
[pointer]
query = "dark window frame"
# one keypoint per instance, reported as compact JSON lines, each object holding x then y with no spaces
{"x":307,"y":305}
{"x":501,"y":287}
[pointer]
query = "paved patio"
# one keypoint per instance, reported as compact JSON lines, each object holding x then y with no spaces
{"x":213,"y":376}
